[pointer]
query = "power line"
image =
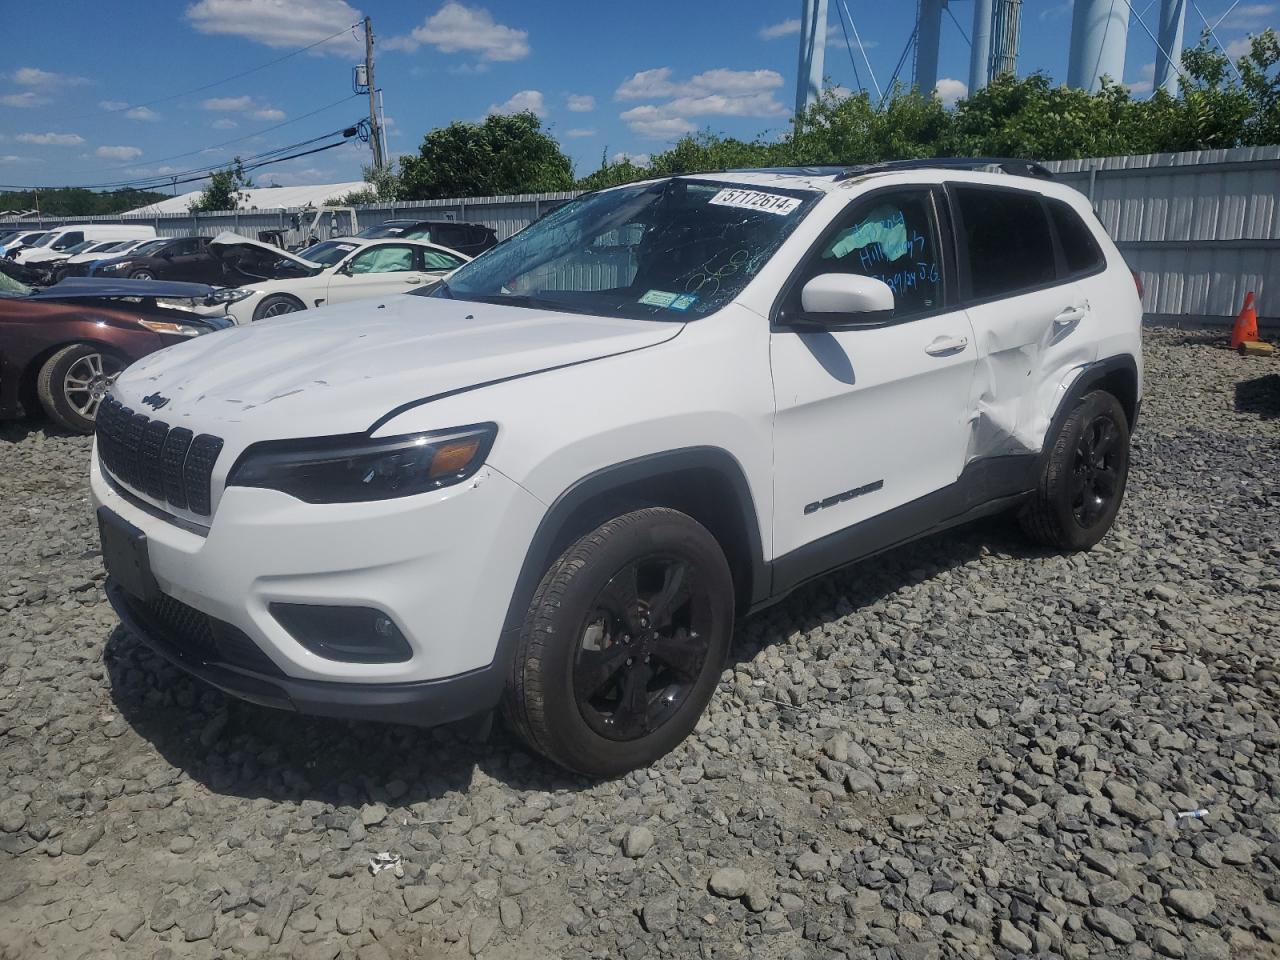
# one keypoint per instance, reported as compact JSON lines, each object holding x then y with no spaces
{"x":852,"y":59}
{"x":862,"y":48}
{"x":225,"y":143}
{"x":215,"y":83}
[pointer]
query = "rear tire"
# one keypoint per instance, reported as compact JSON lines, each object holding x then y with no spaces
{"x":277,"y":305}
{"x":623,"y":644}
{"x":142,"y":275}
{"x":1084,"y":477}
{"x":72,"y":383}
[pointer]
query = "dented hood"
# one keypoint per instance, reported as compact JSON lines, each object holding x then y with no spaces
{"x":340,"y":369}
{"x":234,"y":250}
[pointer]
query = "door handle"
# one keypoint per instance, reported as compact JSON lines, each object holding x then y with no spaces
{"x":1070,"y":316}
{"x":944,"y":346}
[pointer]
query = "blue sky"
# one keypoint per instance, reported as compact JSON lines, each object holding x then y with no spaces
{"x":80,"y":81}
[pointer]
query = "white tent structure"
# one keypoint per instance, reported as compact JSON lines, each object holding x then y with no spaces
{"x":263,"y":198}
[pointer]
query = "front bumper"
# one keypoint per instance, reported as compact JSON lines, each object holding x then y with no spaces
{"x":442,"y":565}
{"x":423,"y":703}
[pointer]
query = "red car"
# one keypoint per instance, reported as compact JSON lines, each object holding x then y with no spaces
{"x":60,"y":348}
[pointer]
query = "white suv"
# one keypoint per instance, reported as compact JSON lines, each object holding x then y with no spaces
{"x":550,"y":483}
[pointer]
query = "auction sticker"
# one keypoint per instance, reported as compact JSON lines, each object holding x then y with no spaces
{"x":658,"y":298}
{"x":755,"y":200}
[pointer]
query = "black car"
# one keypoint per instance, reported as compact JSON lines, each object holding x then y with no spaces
{"x":469,"y":238}
{"x":171,"y":258}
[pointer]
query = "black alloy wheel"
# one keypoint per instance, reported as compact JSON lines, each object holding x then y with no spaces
{"x":643,"y":647}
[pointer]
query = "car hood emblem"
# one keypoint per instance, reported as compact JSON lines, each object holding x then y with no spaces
{"x":155,"y":401}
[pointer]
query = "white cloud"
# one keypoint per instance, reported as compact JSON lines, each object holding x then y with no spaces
{"x":281,"y":23}
{"x":658,"y":83}
{"x":268,"y":113}
{"x":1146,"y":79}
{"x":228,"y":103}
{"x":1241,"y":47}
{"x":719,"y":92}
{"x":1252,"y":15}
{"x":13,"y":158}
{"x":580,"y":102}
{"x":142,"y":113}
{"x":651,"y":121}
{"x":949,"y":90}
{"x":34,"y":77}
{"x":51,"y":139}
{"x":23,"y":100}
{"x":578,"y":132}
{"x":112,"y":104}
{"x":456,"y":28}
{"x":1056,"y":10}
{"x":638,"y":159}
{"x":118,"y":153}
{"x":776,"y":31}
{"x":224,"y":123}
{"x":524,"y":100}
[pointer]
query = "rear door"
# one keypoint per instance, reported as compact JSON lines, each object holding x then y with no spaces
{"x":1026,"y":309}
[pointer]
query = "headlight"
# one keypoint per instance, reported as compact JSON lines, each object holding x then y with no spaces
{"x":168,"y":326}
{"x":229,"y":295}
{"x":355,"y":468}
{"x":108,"y":267}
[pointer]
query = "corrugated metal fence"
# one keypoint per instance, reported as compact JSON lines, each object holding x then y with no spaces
{"x":1202,"y":228}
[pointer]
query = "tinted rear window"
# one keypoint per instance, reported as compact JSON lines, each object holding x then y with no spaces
{"x":1079,"y":246}
{"x":1008,"y":246}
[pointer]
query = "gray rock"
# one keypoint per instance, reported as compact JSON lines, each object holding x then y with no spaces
{"x":660,"y":913}
{"x":373,"y":814}
{"x":729,"y":882}
{"x":1192,"y":904}
{"x":1013,"y":939}
{"x":482,"y":931}
{"x":418,"y":896}
{"x":350,"y":919}
{"x":274,"y":916}
{"x":126,"y":924}
{"x":637,"y":842}
{"x":509,"y":913}
{"x":197,"y":925}
{"x":82,"y":841}
{"x":1111,"y":925}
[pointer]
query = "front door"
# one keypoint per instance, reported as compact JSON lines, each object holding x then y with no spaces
{"x":874,"y":418}
{"x":377,"y":271}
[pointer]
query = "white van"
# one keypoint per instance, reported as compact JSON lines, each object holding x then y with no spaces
{"x":53,"y":243}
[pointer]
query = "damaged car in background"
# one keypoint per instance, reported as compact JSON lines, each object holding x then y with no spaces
{"x":331,"y":271}
{"x":61,"y":348}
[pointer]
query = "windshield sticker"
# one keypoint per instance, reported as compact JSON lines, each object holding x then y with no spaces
{"x":755,"y":200}
{"x":659,"y":298}
{"x":684,"y":301}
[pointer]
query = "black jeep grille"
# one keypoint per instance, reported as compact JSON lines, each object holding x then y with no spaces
{"x":172,"y":465}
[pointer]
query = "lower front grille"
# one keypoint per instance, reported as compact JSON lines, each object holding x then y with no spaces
{"x":199,"y":637}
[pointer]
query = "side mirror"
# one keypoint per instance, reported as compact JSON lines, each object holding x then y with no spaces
{"x":844,"y":301}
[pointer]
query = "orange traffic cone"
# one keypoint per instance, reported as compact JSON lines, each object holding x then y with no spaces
{"x":1246,"y":326}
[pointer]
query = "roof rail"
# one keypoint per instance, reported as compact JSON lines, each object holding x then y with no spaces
{"x":1010,"y":165}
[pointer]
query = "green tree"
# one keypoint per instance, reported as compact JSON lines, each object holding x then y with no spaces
{"x":78,"y":202}
{"x":383,"y":186}
{"x":503,"y":155}
{"x":225,"y":190}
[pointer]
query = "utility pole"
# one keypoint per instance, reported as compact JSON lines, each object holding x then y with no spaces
{"x":375,"y":125}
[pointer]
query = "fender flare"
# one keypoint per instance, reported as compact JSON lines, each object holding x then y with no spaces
{"x":565,"y":517}
{"x":1090,"y":376}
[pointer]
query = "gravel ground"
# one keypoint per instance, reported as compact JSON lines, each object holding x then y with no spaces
{"x":966,"y":748}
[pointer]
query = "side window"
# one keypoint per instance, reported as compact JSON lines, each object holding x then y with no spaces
{"x":890,"y":237}
{"x":439,"y":260}
{"x":1007,"y":245}
{"x":388,"y":258}
{"x":183,"y":248}
{"x":1079,"y":246}
{"x":417,"y":233}
{"x":68,"y":240}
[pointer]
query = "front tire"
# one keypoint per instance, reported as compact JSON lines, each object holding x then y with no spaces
{"x":623,"y":644}
{"x":73,"y":382}
{"x":277,"y":305}
{"x":1084,"y":477}
{"x":142,"y":275}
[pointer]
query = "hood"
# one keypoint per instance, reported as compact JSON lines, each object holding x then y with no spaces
{"x":262,"y":261}
{"x":338,"y":370}
{"x":98,"y":288}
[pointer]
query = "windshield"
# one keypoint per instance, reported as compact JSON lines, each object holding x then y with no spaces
{"x":80,"y":247}
{"x":383,"y":230}
{"x":152,"y":245}
{"x":668,"y":250}
{"x":36,"y":239}
{"x":10,"y":235}
{"x":108,"y":247}
{"x":327,"y":252}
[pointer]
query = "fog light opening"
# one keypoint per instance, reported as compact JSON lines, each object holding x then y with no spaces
{"x":345,"y":634}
